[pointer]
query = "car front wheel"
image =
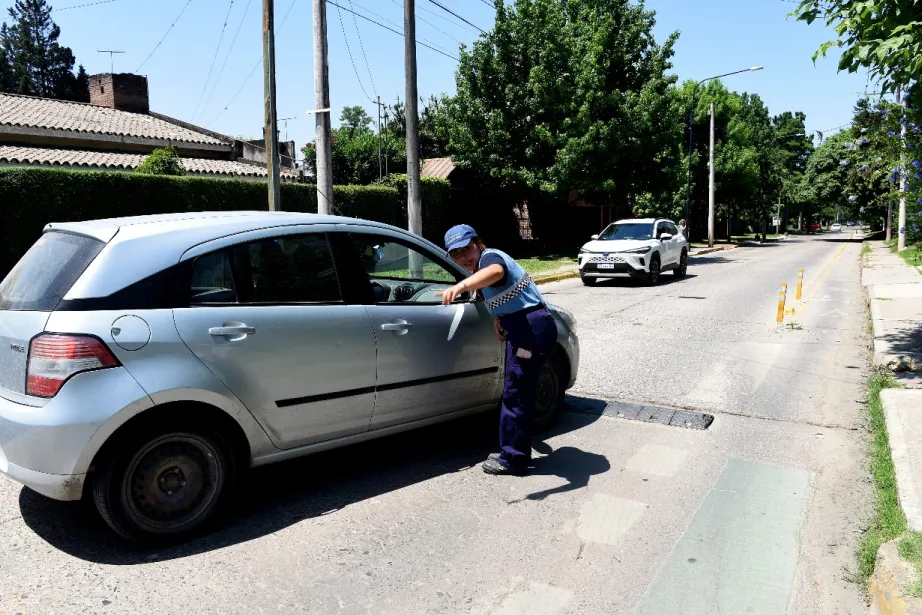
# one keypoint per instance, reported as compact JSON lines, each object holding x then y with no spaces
{"x":682,"y":269}
{"x":653,"y":274}
{"x":588,"y":281}
{"x":165,"y":484}
{"x":551,"y":387}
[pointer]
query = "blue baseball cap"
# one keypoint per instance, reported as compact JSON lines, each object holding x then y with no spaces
{"x":459,"y":237}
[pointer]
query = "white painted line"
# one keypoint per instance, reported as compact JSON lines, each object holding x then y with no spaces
{"x":657,"y":460}
{"x":539,"y":599}
{"x":604,"y":519}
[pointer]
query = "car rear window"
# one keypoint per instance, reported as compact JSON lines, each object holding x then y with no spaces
{"x":47,"y":271}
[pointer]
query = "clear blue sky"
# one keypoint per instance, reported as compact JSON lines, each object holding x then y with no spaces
{"x":717,"y":36}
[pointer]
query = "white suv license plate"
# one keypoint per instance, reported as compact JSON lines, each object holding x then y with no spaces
{"x":606,"y":265}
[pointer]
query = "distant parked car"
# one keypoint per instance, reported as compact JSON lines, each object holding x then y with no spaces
{"x":836,"y":228}
{"x":641,"y":248}
{"x":155,"y":359}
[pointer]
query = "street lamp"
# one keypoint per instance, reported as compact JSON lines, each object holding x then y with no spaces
{"x":691,"y":119}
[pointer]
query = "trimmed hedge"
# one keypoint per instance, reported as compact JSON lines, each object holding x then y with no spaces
{"x":436,"y":198}
{"x":31,"y":197}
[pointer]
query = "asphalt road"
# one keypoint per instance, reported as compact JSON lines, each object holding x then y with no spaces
{"x":760,"y":513}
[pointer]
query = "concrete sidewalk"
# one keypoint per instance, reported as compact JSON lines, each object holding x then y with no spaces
{"x":895,"y":290}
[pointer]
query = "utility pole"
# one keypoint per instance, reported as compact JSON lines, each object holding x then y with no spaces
{"x":380,"y":174}
{"x":901,"y":220}
{"x":414,"y":201}
{"x":272,"y":137}
{"x":711,"y":212}
{"x":323,"y":139}
{"x":111,"y":53}
{"x":889,"y":234}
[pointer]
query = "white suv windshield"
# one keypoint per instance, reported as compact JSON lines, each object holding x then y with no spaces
{"x":630,"y":230}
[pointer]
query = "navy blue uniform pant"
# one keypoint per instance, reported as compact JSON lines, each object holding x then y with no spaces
{"x":534,"y":331}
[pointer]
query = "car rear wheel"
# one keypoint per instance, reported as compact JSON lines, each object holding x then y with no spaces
{"x":682,"y":269}
{"x":165,"y":484}
{"x":551,"y":387}
{"x":653,"y":275}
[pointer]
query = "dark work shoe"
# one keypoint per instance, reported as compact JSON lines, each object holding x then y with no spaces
{"x":494,"y":456}
{"x":493,"y":466}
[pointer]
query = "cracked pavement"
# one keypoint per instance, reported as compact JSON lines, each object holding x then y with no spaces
{"x":763,"y":509}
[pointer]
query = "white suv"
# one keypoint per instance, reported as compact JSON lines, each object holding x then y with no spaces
{"x":641,"y":248}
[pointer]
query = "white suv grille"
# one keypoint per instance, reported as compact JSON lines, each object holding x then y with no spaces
{"x":605,"y":259}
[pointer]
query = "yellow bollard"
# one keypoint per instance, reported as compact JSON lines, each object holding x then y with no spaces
{"x":800,"y":283}
{"x":782,"y":296}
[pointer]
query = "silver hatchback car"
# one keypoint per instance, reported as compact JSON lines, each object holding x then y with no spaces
{"x":149,"y":361}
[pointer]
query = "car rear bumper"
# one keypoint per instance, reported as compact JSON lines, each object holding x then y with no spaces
{"x":50,"y":447}
{"x":66,"y":487}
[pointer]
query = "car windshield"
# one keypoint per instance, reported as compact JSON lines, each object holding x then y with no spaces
{"x":628,"y":230}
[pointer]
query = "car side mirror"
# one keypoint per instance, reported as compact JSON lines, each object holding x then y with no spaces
{"x":665,"y":237}
{"x":594,"y":237}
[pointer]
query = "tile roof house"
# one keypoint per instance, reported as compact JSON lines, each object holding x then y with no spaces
{"x":116,"y":131}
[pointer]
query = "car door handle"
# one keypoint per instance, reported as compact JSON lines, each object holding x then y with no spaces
{"x":230,"y":331}
{"x":400,"y":325}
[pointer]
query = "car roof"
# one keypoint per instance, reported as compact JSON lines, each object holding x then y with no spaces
{"x":140,"y":246}
{"x":638,"y":220}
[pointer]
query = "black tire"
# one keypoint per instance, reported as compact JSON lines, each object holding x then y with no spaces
{"x":655,"y":268}
{"x":552,"y":385}
{"x":588,"y":281}
{"x":682,"y":269}
{"x":165,"y":483}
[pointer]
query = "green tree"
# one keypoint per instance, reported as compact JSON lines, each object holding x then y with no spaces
{"x":883,"y":36}
{"x":162,"y":161}
{"x":355,"y":156}
{"x":34,"y":62}
{"x":355,"y":118}
{"x":825,"y":187}
{"x":564,"y":96}
{"x":434,"y":125}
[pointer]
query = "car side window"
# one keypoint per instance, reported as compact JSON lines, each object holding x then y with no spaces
{"x":672,"y":229}
{"x":660,"y":229}
{"x":212,"y":280}
{"x":288,"y":269}
{"x":399,"y":273}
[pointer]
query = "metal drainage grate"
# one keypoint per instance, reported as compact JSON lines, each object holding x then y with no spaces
{"x":641,"y":412}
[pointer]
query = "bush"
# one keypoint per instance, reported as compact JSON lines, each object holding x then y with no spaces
{"x":31,"y":198}
{"x":436,"y":199}
{"x":162,"y":161}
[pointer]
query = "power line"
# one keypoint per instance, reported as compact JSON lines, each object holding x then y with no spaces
{"x":349,"y":49}
{"x":227,"y":57}
{"x":170,"y":29}
{"x":456,"y":59}
{"x":255,"y":66}
{"x":374,"y":88}
{"x":449,"y":11}
{"x":214,"y":59}
{"x":488,"y":3}
{"x":443,"y":17}
{"x":424,"y":21}
{"x":80,"y":6}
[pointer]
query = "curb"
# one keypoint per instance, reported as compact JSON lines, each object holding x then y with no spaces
{"x":555,"y":277}
{"x":891,"y":575}
{"x":704,"y":251}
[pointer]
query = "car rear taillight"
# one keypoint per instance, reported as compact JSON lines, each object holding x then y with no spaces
{"x":55,"y":358}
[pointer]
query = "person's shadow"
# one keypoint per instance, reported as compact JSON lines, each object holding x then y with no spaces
{"x":570,"y":463}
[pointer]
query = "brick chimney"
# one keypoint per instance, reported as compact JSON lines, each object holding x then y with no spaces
{"x":123,"y":91}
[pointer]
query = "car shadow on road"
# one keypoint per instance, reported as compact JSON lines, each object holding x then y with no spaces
{"x":274,"y":497}
{"x":666,"y":279}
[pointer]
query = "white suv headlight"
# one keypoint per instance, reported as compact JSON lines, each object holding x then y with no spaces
{"x":642,"y":250}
